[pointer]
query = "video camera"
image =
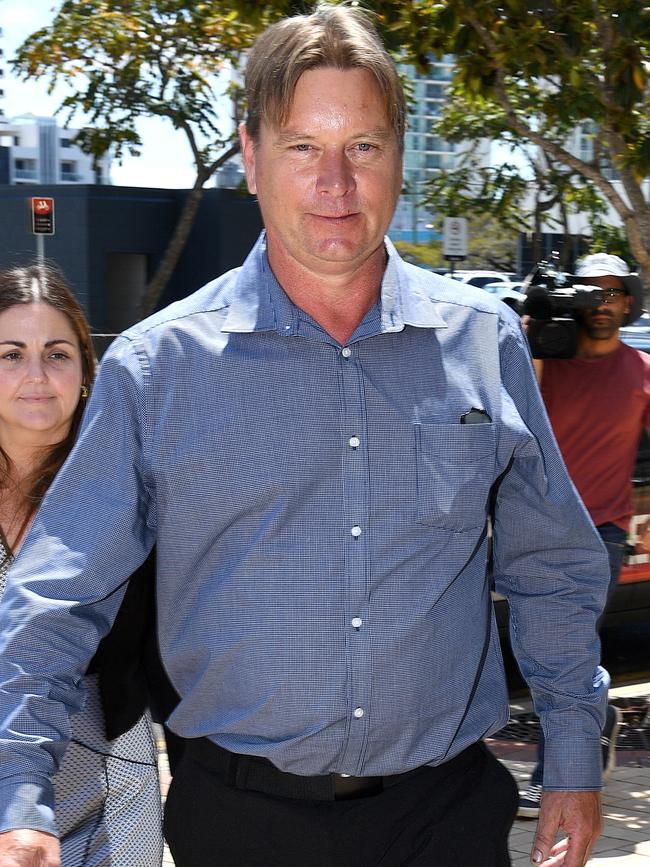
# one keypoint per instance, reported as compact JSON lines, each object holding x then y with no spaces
{"x":553,"y":299}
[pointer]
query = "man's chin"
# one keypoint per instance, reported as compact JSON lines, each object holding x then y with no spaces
{"x":601,"y":333}
{"x":341,"y":251}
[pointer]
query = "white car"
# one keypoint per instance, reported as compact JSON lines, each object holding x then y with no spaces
{"x":637,"y":335}
{"x":479,"y":278}
{"x":508,"y":291}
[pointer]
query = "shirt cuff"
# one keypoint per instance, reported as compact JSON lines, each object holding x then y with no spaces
{"x":27,"y":805}
{"x":574,"y":767}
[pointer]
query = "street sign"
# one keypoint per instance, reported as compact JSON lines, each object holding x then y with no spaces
{"x":454,"y":238}
{"x":42,"y":216}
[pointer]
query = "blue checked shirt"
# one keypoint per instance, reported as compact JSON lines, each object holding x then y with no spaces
{"x":320,"y":520}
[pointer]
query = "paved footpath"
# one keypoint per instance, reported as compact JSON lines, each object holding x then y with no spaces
{"x":625,"y":841}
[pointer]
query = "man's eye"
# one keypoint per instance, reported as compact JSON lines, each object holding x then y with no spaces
{"x":11,"y":356}
{"x":303,"y":147}
{"x":364,"y":146}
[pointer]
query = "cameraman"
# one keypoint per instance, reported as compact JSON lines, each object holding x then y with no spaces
{"x":598,"y":403}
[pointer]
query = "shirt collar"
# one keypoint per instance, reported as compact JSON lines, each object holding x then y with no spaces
{"x":260,"y":304}
{"x":406,"y":298}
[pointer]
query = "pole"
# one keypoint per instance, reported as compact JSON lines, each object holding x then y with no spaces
{"x":40,"y":250}
{"x":414,"y":219}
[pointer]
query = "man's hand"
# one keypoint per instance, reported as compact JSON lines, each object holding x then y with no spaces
{"x":538,"y":364}
{"x":29,"y":849}
{"x":579,"y":816}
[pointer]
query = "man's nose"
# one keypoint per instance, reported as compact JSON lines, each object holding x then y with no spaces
{"x":335,"y":174}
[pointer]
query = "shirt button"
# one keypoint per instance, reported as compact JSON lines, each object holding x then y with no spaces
{"x":356,"y":531}
{"x":354,"y":442}
{"x":346,"y":352}
{"x":357,"y":622}
{"x":358,"y":712}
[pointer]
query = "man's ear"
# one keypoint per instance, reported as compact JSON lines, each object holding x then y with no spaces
{"x":248,"y":157}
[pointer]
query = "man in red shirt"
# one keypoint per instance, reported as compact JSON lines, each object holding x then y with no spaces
{"x":598,"y":403}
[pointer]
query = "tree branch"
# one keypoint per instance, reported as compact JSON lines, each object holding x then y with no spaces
{"x":555,"y":150}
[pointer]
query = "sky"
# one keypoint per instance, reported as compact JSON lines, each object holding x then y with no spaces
{"x":166,"y":159}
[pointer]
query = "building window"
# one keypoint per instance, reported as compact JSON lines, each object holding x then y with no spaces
{"x":69,"y":171}
{"x":25,"y":170}
{"x":16,"y":141}
{"x":435,"y":91}
{"x":65,"y":143}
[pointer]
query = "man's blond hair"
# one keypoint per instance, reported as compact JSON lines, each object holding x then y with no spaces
{"x":339,"y":37}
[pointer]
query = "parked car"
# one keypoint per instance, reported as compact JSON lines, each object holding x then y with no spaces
{"x":631,"y":599}
{"x":508,"y":291}
{"x":479,"y":278}
{"x":638,"y":334}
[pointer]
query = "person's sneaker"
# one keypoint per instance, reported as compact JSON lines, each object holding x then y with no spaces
{"x":608,"y":739}
{"x":529,"y":802}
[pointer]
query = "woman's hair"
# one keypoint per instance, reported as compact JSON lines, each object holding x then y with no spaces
{"x":339,"y":37}
{"x":44,"y":284}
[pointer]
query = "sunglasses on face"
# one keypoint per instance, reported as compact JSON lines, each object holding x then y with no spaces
{"x":610,"y":296}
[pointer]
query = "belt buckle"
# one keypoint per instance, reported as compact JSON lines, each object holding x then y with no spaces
{"x":346,"y":787}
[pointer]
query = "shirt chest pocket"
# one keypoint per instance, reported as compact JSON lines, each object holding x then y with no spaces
{"x":455,"y":471}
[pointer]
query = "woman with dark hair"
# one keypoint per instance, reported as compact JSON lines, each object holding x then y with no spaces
{"x":107,"y":794}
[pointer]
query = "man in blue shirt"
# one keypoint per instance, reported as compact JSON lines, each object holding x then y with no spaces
{"x":314,"y":443}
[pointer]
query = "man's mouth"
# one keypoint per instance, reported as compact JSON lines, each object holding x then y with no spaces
{"x":335,"y":218}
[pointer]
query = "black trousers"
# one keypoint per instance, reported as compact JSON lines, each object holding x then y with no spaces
{"x":456,"y":815}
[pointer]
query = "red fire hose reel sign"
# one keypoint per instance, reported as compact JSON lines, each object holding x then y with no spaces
{"x":42,"y":216}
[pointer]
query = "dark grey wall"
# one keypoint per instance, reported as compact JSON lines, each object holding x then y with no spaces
{"x":4,"y":165}
{"x":93,"y":222}
{"x":68,"y":247}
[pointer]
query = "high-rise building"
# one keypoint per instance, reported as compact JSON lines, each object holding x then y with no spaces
{"x":35,"y":150}
{"x":4,"y":150}
{"x":3,"y":73}
{"x":41,"y":152}
{"x":425,"y":154}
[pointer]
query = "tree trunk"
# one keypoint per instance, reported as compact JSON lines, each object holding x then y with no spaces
{"x":536,"y":248}
{"x":565,"y":256}
{"x":637,"y":225}
{"x":172,"y":252}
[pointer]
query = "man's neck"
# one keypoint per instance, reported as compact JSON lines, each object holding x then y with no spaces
{"x":590,"y":348}
{"x":339,"y":300}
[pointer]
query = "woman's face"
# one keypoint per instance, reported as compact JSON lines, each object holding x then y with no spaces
{"x":40,"y":373}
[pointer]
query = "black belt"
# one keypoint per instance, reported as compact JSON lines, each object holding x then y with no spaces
{"x":258,"y":774}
